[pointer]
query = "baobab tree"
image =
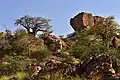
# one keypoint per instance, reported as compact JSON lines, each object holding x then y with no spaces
{"x":34,"y":24}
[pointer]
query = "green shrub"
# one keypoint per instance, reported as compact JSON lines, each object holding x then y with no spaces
{"x":15,"y":64}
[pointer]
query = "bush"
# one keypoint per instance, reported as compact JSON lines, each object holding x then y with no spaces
{"x":39,"y":55}
{"x":15,"y":64}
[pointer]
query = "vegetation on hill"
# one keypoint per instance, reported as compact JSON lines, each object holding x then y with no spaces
{"x":23,"y":56}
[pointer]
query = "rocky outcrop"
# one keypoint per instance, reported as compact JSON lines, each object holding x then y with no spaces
{"x":83,"y":20}
{"x":53,"y":65}
{"x":100,"y":65}
{"x":95,"y":65}
{"x":59,"y":43}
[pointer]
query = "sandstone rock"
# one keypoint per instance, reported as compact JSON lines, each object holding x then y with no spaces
{"x":83,"y":20}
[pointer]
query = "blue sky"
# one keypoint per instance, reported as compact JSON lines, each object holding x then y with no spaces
{"x":59,"y":11}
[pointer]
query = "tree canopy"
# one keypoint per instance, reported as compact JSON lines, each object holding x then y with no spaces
{"x":34,"y":24}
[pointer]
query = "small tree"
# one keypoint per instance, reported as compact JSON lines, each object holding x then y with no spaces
{"x":104,"y":29}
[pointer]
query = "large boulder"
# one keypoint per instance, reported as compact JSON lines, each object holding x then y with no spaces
{"x":95,"y":65}
{"x":100,"y":65}
{"x":83,"y":20}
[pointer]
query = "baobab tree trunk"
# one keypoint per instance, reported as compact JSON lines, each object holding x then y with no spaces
{"x":34,"y":32}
